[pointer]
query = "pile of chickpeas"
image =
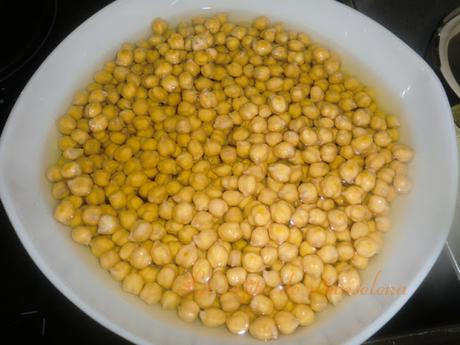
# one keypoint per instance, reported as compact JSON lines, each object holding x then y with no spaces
{"x":231,"y":172}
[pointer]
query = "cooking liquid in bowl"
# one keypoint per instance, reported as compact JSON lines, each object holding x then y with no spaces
{"x":383,"y":99}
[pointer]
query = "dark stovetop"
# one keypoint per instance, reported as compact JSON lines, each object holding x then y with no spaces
{"x":34,"y":310}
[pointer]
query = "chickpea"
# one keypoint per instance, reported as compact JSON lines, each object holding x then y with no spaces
{"x":263,"y":328}
{"x":328,"y":254}
{"x":402,"y":183}
{"x":366,"y":246}
{"x":259,"y":153}
{"x":247,"y":185}
{"x":230,"y":232}
{"x":252,"y":262}
{"x":120,"y":270}
{"x":298,"y":293}
{"x":254,"y":284}
{"x":269,"y":255}
{"x":205,"y":239}
{"x":204,"y":298}
{"x":159,"y":26}
{"x":349,"y":281}
{"x":313,"y":265}
{"x":280,"y":172}
{"x":183,"y":284}
{"x":64,"y":212}
{"x":169,"y":300}
{"x":299,"y":218}
{"x":331,"y":186}
{"x":217,"y":207}
{"x":281,"y":212}
{"x":140,"y":231}
{"x":287,"y":252}
{"x":286,"y":322}
{"x":151,"y":293}
{"x":236,"y":276}
{"x":212,"y":317}
{"x":289,"y":192}
{"x":259,"y":237}
{"x":260,"y":215}
{"x":109,"y":259}
{"x":317,"y":216}
{"x":82,"y":235}
{"x":238,"y":322}
{"x":133,"y":283}
{"x":291,"y":274}
{"x":284,"y":150}
{"x":261,"y":305}
{"x":304,"y":314}
{"x":402,"y":153}
{"x":166,"y":276}
{"x":140,"y":258}
{"x":160,"y":253}
{"x":378,"y":205}
{"x":188,"y":310}
{"x":232,"y":197}
{"x":318,"y":301}
{"x":338,"y":220}
{"x":278,"y":232}
{"x":234,"y":258}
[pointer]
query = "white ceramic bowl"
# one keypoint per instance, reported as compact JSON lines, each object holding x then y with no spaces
{"x":422,"y":219}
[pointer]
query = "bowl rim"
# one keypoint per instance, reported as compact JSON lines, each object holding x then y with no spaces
{"x":359,"y":337}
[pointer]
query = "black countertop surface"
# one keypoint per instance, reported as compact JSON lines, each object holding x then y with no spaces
{"x":34,"y":310}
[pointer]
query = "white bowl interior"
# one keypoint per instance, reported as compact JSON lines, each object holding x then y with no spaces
{"x":405,"y":84}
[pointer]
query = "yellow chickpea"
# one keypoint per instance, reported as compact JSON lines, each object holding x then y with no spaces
{"x":269,"y":255}
{"x":151,"y":293}
{"x":254,"y":284}
{"x":183,"y":284}
{"x":252,"y":262}
{"x":166,"y":276}
{"x":287,"y":252}
{"x":238,"y":322}
{"x":402,"y":153}
{"x":187,"y":256}
{"x":140,"y":258}
{"x":278,"y":232}
{"x":313,"y":265}
{"x":264,"y":328}
{"x":188,"y":310}
{"x":328,"y":254}
{"x":160,"y":253}
{"x":298,"y":293}
{"x":291,"y":274}
{"x":212,"y":317}
{"x":281,"y":212}
{"x":331,"y":186}
{"x":402,"y":183}
{"x":366,"y":246}
{"x":230,"y":231}
{"x":259,"y":237}
{"x":260,"y":215}
{"x":349,"y":280}
{"x":261,"y":305}
{"x":217,"y":255}
{"x":286,"y":322}
{"x":338,"y":220}
{"x":169,"y":300}
{"x":378,"y":205}
{"x":303,"y":314}
{"x":120,"y":270}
